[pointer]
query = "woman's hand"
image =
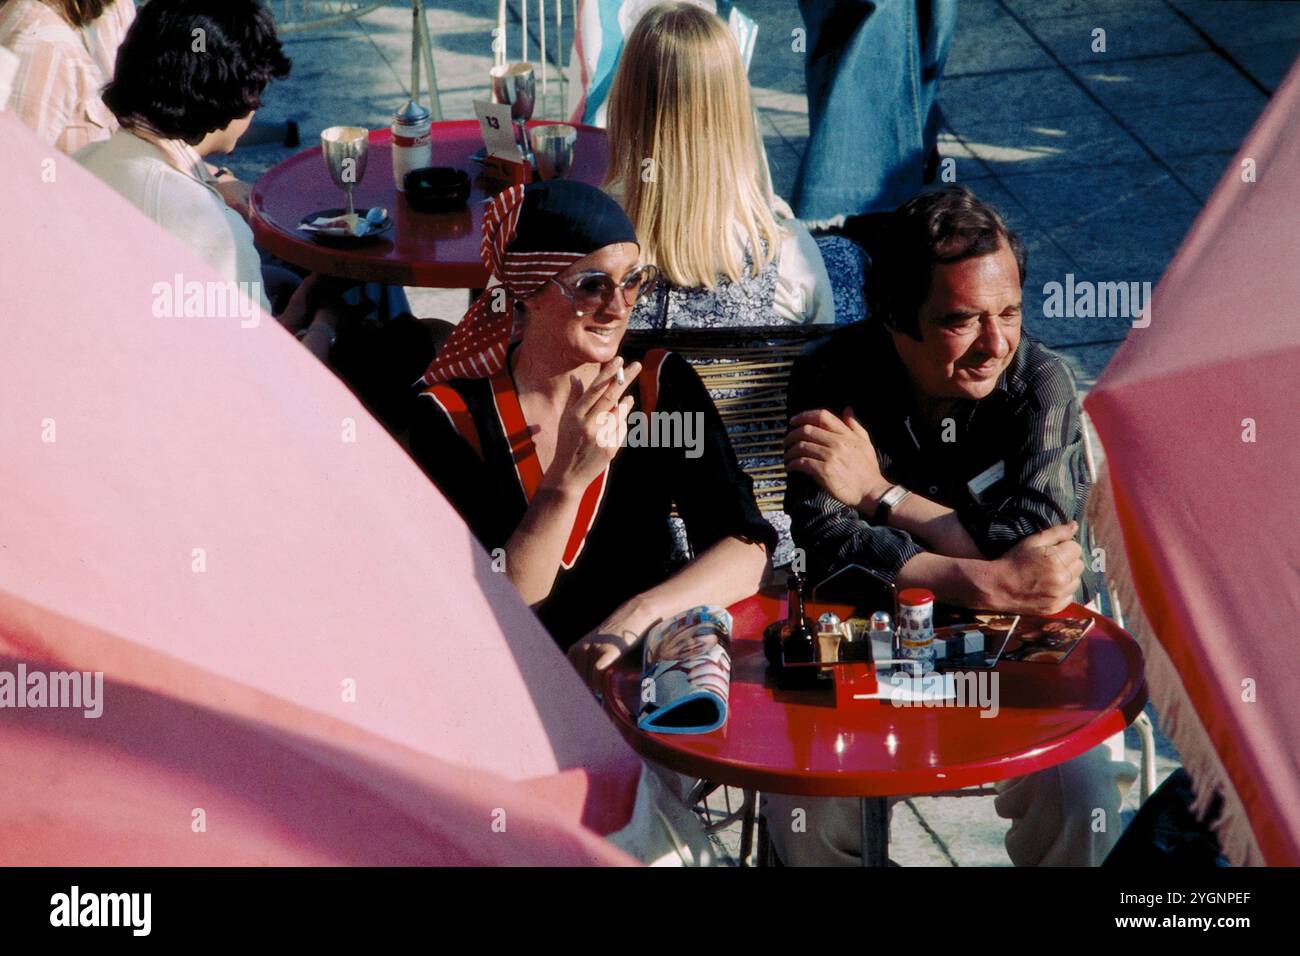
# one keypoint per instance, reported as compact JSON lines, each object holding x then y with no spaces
{"x":838,"y":455}
{"x":591,"y":428}
{"x":616,"y":635}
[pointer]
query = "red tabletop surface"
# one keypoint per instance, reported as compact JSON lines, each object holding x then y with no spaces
{"x":439,"y":250}
{"x":799,"y":742}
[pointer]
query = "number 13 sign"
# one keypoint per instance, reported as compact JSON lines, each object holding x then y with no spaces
{"x":498,"y":130}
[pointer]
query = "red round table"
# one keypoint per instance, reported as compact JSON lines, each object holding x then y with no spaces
{"x":799,"y":742}
{"x":439,"y":250}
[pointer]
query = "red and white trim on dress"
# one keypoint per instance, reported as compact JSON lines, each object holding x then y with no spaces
{"x":529,"y":470}
{"x":453,"y":406}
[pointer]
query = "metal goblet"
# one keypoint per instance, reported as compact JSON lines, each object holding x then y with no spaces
{"x":515,"y":85}
{"x":345,"y":149}
{"x":553,"y":146}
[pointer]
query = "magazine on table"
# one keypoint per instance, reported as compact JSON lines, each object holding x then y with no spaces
{"x":977,"y":645}
{"x":1046,"y":640}
{"x":686,"y":672}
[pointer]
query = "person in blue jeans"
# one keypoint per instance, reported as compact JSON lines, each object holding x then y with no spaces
{"x":873,"y":69}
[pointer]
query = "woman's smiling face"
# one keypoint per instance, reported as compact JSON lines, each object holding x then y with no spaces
{"x":552,"y":323}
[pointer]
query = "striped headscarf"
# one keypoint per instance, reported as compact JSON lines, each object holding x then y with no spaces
{"x":530,"y":234}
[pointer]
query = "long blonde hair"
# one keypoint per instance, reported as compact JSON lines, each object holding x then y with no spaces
{"x":685,"y":150}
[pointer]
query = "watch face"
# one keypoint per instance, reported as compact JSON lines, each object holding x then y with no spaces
{"x":894,"y":495}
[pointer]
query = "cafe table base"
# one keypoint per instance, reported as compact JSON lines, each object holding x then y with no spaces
{"x":875,"y":831}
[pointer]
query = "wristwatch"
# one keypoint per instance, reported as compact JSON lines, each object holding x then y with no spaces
{"x":888,"y":502}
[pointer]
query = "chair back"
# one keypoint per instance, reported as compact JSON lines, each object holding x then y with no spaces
{"x":746,"y":371}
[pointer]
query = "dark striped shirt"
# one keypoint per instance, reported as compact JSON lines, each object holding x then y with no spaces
{"x":1029,"y":427}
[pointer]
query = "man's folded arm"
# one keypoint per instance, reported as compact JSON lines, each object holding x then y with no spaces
{"x":833,"y":535}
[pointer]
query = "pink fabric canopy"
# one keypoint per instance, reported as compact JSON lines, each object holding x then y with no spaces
{"x":299,"y":636}
{"x":1198,"y":414}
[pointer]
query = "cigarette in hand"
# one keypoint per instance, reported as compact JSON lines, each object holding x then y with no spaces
{"x":618,"y":375}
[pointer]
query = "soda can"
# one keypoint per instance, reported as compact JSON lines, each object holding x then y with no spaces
{"x":916,"y":627}
{"x":412,"y":141}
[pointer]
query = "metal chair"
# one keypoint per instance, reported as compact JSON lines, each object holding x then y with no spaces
{"x":1110,"y":606}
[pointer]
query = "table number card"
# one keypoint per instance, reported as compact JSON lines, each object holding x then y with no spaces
{"x":498,"y":130}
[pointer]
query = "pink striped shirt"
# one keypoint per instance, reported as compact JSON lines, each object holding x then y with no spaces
{"x":62,"y":70}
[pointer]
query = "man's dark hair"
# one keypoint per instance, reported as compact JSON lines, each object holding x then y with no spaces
{"x":180,"y":83}
{"x":948,"y":225}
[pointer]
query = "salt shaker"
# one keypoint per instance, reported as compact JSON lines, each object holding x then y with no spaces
{"x":880,"y":636}
{"x":830,"y":632}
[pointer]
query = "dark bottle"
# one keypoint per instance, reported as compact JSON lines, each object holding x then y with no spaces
{"x":799,"y":645}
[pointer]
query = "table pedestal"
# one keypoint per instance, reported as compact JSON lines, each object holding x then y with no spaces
{"x":875,"y":831}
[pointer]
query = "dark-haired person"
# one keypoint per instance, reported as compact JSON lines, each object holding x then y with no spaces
{"x":942,"y":448}
{"x":66,"y":50}
{"x":515,"y":429}
{"x":179,"y":101}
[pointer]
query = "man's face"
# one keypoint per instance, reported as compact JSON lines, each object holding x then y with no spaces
{"x":229,"y":137}
{"x":969,"y":325}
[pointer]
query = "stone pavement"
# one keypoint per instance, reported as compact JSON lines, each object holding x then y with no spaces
{"x":1100,"y":158}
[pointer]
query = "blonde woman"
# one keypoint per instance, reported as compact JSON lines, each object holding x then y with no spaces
{"x":687,"y":165}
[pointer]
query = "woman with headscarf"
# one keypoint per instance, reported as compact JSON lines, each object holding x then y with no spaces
{"x":521,"y":426}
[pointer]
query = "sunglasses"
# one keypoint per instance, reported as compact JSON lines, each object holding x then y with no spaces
{"x":592,"y":291}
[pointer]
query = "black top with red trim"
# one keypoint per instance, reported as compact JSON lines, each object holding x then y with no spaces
{"x":462,"y":434}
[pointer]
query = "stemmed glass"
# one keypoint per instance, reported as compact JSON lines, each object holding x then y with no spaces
{"x":515,"y":85}
{"x":553,"y":146}
{"x":345,"y":149}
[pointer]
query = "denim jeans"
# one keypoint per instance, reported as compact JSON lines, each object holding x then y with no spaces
{"x":873,"y":73}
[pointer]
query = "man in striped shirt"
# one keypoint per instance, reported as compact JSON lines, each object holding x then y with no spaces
{"x":934,"y":443}
{"x":939,"y":447}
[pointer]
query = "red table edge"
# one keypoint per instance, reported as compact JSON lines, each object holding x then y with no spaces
{"x":657,"y":747}
{"x":315,"y":257}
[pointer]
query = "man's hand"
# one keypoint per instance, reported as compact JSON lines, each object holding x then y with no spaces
{"x":1040,"y":575}
{"x":837,"y":453}
{"x":235,"y":192}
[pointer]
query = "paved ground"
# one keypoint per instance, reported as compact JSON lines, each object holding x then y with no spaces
{"x":1100,"y":160}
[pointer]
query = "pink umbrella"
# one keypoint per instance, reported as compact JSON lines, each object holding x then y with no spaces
{"x":1199,"y":519}
{"x":298,"y":635}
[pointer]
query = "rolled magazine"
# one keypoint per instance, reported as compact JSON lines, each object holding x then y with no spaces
{"x":686,"y":672}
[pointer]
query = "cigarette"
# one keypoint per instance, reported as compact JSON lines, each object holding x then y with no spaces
{"x":618,"y":375}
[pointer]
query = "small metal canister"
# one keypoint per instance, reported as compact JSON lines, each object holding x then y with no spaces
{"x":412,"y":142}
{"x":830,"y":634}
{"x":881,"y":631}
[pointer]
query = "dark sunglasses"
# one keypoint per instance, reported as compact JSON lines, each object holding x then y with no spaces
{"x":592,"y":291}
